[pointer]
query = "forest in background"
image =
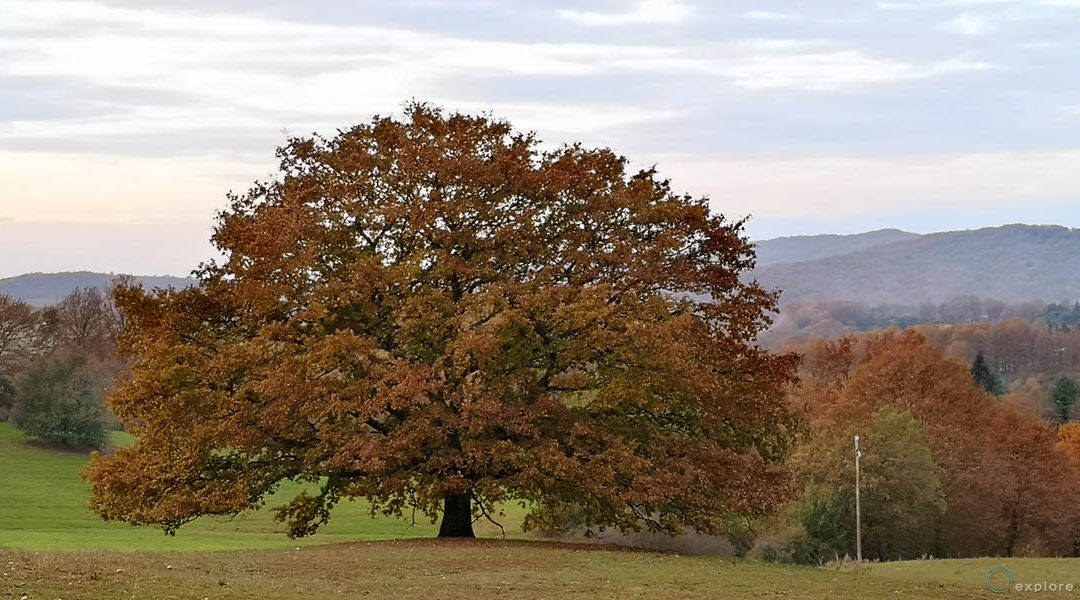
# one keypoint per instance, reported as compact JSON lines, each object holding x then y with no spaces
{"x":57,"y":364}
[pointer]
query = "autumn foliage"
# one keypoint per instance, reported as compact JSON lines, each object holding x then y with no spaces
{"x":434,"y":314}
{"x":993,"y":481}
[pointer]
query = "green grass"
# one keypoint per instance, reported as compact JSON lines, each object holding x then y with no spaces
{"x":43,"y":503}
{"x":972,"y":572}
{"x":479,"y":569}
{"x":51,"y":546}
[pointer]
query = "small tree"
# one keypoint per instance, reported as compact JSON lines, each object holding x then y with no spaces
{"x":987,"y":379}
{"x":85,"y":320}
{"x":901,"y":491}
{"x":1064,"y":394}
{"x":59,"y":400}
{"x":903,"y":501}
{"x":18,"y":333}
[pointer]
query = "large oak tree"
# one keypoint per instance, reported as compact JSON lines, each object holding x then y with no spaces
{"x":437,"y":315}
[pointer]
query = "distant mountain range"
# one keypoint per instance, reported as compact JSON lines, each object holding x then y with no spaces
{"x":1014,"y":263}
{"x":1010,"y":263}
{"x":43,"y":289}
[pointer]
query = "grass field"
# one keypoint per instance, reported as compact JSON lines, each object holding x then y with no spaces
{"x":52,"y":547}
{"x":43,"y":507}
{"x":481,"y":569}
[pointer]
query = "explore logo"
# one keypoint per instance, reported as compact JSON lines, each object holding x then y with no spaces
{"x":1000,"y":580}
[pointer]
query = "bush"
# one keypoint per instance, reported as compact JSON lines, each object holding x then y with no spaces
{"x":60,"y":400}
{"x":772,"y":549}
{"x":784,"y":546}
{"x":784,"y":542}
{"x":826,"y":520}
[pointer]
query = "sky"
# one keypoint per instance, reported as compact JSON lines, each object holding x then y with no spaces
{"x":123,"y":123}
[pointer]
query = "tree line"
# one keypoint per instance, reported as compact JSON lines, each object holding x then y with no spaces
{"x":805,"y":319}
{"x":1029,"y":361}
{"x":56,"y":365}
{"x":949,"y":469}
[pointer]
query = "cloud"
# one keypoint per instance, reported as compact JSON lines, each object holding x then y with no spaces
{"x":770,"y":15}
{"x":643,"y":12}
{"x":850,"y":186}
{"x":147,"y":115}
{"x":260,"y":74}
{"x":834,"y":70}
{"x":203,"y":79}
{"x":945,"y":4}
{"x":1050,"y":3}
{"x":970,"y":24}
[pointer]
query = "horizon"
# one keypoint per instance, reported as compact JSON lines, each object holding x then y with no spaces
{"x":124,"y":124}
{"x":190,"y":274}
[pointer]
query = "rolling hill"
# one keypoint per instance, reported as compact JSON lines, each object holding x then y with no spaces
{"x":1011,"y":263}
{"x":811,"y":247}
{"x":43,"y":289}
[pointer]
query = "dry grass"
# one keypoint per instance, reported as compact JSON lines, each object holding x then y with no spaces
{"x":439,"y":569}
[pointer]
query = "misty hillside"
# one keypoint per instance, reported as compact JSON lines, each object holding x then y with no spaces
{"x":811,"y":247}
{"x":1010,"y":263}
{"x":43,"y":289}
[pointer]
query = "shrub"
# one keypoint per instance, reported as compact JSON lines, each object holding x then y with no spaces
{"x":60,"y":400}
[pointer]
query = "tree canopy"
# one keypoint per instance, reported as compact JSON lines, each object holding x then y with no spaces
{"x":435,"y":314}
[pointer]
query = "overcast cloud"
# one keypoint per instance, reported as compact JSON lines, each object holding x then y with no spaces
{"x":123,"y":123}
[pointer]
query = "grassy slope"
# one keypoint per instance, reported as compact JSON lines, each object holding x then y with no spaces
{"x":43,"y":507}
{"x":480,"y":569}
{"x":971,"y":572}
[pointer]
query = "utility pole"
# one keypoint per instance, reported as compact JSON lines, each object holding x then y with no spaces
{"x":858,"y":514}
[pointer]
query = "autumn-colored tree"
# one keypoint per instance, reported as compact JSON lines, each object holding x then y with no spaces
{"x":1069,"y":441}
{"x":1028,"y":396}
{"x":1005,"y":487}
{"x":1035,"y":485}
{"x":435,"y":314}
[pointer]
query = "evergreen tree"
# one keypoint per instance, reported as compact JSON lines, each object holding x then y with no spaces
{"x":1064,"y":394}
{"x":987,"y":379}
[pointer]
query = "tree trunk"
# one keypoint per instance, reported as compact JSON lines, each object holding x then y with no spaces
{"x":457,"y":516}
{"x":1012,"y":535}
